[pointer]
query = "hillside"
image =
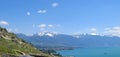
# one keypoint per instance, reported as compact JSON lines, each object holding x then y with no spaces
{"x":10,"y":44}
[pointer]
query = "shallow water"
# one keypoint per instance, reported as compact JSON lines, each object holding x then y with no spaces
{"x":92,"y":52}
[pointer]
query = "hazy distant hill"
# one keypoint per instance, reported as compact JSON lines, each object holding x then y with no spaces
{"x":48,"y":39}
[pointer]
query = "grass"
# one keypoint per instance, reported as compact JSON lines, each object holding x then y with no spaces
{"x":10,"y":47}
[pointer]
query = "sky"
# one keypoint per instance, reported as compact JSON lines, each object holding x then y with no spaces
{"x":61,"y":16}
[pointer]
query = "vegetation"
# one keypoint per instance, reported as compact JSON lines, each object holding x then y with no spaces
{"x":12,"y":45}
{"x":51,"y":51}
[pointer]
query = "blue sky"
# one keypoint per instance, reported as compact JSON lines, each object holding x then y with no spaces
{"x":62,"y":16}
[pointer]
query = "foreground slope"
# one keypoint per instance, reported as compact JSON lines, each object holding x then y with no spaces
{"x":12,"y":45}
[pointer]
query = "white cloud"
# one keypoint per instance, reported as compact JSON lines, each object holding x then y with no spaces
{"x":53,"y":25}
{"x":28,"y":13}
{"x":42,"y":25}
{"x":46,"y":27}
{"x":50,"y":25}
{"x":93,"y":31}
{"x":4,"y":23}
{"x":114,"y":31}
{"x":42,"y":11}
{"x":55,"y":4}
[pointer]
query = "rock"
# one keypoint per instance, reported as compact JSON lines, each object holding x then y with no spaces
{"x":37,"y":56}
{"x":25,"y":56}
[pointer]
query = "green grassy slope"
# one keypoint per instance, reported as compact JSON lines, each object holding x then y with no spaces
{"x":10,"y":44}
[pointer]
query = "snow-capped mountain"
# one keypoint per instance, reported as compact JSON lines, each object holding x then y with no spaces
{"x":46,"y":34}
{"x":48,"y":39}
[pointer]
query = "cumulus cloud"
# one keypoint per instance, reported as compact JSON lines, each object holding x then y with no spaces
{"x":55,"y":4}
{"x":42,"y":11}
{"x":28,"y":13}
{"x":114,"y":31}
{"x":42,"y":25}
{"x":50,"y":25}
{"x":93,"y":30}
{"x":4,"y":23}
{"x":45,"y":27}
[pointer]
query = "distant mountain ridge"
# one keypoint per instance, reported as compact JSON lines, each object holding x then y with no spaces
{"x":63,"y":40}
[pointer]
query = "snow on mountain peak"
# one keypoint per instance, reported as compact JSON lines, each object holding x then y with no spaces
{"x":41,"y":34}
{"x":76,"y":36}
{"x":49,"y":34}
{"x":46,"y":34}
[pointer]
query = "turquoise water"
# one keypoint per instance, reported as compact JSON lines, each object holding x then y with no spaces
{"x":92,"y":52}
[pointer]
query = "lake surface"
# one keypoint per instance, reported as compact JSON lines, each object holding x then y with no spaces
{"x":92,"y":52}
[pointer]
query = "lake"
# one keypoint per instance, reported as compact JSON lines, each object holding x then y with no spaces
{"x":92,"y":52}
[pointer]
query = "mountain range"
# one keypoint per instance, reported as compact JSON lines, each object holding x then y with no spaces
{"x":49,"y":39}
